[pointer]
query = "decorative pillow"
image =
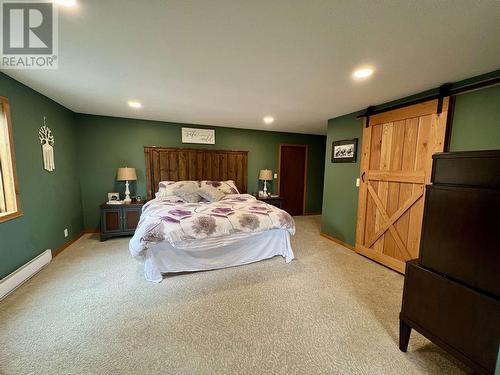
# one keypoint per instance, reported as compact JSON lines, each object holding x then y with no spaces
{"x":226,"y":187}
{"x":210,"y":193}
{"x":188,"y":193}
{"x":167,"y":188}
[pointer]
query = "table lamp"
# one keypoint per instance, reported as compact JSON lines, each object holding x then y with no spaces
{"x":126,"y":174}
{"x":265,"y":175}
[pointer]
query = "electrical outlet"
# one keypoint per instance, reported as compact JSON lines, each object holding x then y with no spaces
{"x":358,"y":182}
{"x":65,"y":233}
{"x":275,"y":175}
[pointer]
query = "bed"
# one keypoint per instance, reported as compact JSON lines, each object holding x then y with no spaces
{"x":200,"y":217}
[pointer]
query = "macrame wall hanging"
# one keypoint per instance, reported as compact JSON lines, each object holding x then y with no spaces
{"x":47,"y":141}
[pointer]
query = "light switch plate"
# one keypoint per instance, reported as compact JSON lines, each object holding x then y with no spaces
{"x":358,"y":182}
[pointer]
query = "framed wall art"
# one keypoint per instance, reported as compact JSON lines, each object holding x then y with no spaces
{"x":344,"y":151}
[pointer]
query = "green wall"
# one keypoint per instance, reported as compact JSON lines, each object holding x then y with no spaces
{"x":50,"y":201}
{"x":340,"y":195}
{"x":106,"y":143}
{"x":476,"y":126}
{"x":476,"y":122}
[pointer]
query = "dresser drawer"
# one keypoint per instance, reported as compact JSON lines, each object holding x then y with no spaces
{"x":466,"y":320}
{"x":460,"y":235}
{"x":471,"y":168}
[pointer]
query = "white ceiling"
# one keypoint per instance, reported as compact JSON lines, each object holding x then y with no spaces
{"x":230,"y":62}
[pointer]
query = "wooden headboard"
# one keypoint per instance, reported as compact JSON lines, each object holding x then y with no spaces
{"x":179,"y":164}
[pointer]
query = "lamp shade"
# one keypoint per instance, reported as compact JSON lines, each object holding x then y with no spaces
{"x":266,"y":174}
{"x":126,"y":174}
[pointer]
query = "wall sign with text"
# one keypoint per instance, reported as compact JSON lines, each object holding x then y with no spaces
{"x":202,"y":136}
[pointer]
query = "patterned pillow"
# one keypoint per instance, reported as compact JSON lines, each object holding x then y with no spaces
{"x":210,"y":193}
{"x":188,"y":197}
{"x":226,"y":187}
{"x":188,"y":193}
{"x":167,"y":188}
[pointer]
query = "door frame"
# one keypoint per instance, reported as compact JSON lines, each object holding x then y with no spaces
{"x":306,"y":147}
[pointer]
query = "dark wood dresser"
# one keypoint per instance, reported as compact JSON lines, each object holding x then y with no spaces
{"x":119,"y":219}
{"x":452,"y":292}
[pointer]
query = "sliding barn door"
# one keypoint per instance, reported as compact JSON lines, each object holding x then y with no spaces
{"x":395,"y":166}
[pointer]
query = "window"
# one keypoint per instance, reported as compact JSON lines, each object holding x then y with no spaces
{"x":9,"y":194}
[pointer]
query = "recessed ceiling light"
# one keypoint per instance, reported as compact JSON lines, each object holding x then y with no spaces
{"x":134,"y":104}
{"x":268,"y":120}
{"x":66,"y":3}
{"x":363,"y":73}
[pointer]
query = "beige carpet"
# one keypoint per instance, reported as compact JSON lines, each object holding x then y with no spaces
{"x":330,"y":311}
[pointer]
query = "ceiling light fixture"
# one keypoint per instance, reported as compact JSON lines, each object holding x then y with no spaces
{"x":66,"y":3}
{"x":134,"y":104}
{"x":363,"y":73}
{"x":268,"y":120}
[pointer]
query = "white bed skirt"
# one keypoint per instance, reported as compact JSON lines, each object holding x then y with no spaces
{"x":164,"y":258}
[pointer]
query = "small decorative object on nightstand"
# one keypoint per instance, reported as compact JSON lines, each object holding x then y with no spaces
{"x":275,"y":201}
{"x":265,"y":175}
{"x":119,"y":220}
{"x":126,"y":174}
{"x":114,"y":198}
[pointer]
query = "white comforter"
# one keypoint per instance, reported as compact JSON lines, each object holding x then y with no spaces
{"x":205,"y":224}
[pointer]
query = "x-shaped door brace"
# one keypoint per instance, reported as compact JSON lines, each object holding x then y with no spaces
{"x":388,"y":223}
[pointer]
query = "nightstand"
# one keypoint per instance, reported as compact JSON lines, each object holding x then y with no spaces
{"x":119,"y":219}
{"x":275,"y":201}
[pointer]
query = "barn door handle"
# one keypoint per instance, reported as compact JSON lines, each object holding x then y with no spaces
{"x":363,"y":177}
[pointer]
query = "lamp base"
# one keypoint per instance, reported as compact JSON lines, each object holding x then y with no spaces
{"x":127,"y":199}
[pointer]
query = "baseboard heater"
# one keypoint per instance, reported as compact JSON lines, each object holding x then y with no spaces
{"x":11,"y":282}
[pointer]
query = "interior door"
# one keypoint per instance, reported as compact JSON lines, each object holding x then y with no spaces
{"x":396,"y":164}
{"x":292,"y":178}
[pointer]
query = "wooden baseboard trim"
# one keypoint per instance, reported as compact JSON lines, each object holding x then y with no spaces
{"x":91,"y":231}
{"x":331,"y":238}
{"x":69,"y":243}
{"x":312,"y":213}
{"x":361,"y":252}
